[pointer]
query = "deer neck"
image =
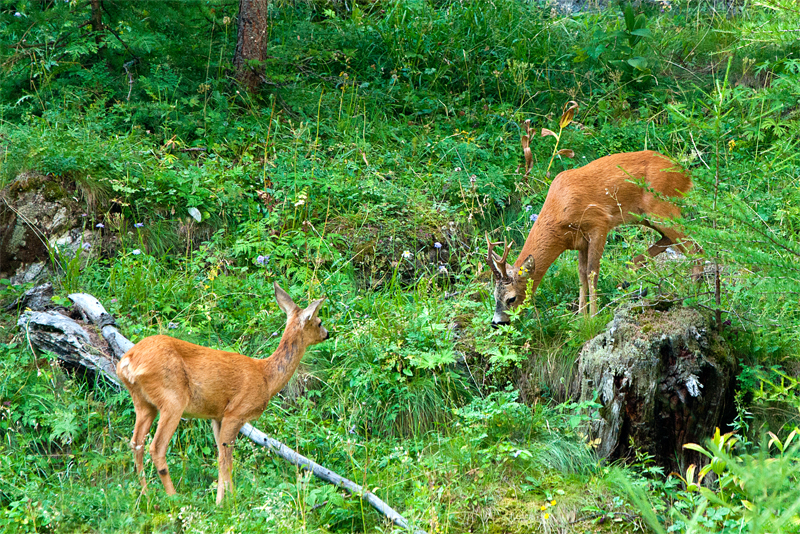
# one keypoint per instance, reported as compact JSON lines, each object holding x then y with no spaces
{"x":281,"y":365}
{"x":545,"y":244}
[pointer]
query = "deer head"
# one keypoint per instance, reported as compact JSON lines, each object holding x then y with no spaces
{"x":306,"y":327}
{"x":509,"y":283}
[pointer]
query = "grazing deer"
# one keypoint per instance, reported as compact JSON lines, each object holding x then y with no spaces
{"x":581,"y":207}
{"x":179,"y":379}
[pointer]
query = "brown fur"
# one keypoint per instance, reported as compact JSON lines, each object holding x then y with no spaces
{"x":581,"y":207}
{"x":180,"y":379}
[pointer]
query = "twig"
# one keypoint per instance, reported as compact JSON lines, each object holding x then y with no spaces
{"x":130,"y":75}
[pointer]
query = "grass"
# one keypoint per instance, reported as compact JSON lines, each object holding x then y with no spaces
{"x":389,"y":128}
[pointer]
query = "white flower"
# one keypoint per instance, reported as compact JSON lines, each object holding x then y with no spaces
{"x":407,"y":255}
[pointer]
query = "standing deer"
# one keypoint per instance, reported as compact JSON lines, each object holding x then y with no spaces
{"x":581,"y":207}
{"x":179,"y":379}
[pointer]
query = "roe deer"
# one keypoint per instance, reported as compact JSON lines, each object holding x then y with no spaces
{"x":581,"y":207}
{"x":179,"y":379}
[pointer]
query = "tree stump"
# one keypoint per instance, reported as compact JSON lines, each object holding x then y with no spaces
{"x":663,"y":378}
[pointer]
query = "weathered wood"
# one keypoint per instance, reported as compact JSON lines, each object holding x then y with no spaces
{"x":97,"y":314}
{"x":55,"y":333}
{"x":72,"y":342}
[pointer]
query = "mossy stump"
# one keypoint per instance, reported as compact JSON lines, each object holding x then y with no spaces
{"x":663,"y":378}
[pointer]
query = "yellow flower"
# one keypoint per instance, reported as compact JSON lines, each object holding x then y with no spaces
{"x":543,"y":508}
{"x":546,"y":516}
{"x":552,"y":503}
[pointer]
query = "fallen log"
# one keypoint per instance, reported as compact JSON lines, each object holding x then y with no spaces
{"x":53,"y":332}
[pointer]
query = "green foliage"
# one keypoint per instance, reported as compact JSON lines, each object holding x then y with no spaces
{"x":367,"y":170}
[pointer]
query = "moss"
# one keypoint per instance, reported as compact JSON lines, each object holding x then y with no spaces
{"x":52,"y":191}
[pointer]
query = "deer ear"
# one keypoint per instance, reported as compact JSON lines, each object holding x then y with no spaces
{"x":312,"y":310}
{"x":527,"y":267}
{"x":285,"y":302}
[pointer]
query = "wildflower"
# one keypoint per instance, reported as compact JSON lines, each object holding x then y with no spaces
{"x":407,"y":255}
{"x":553,"y":502}
{"x":138,"y":225}
{"x":274,"y":334}
{"x":457,"y":169}
{"x":172,"y":326}
{"x":99,"y":225}
{"x":546,"y":516}
{"x":17,"y":14}
{"x":473,"y":179}
{"x":86,"y":246}
{"x":226,"y":20}
{"x":262,"y":260}
{"x":112,"y":301}
{"x":136,"y":252}
{"x":528,"y":208}
{"x":543,"y":508}
{"x":534,"y":217}
{"x":437,"y":245}
{"x":442,"y":269}
{"x":83,"y":215}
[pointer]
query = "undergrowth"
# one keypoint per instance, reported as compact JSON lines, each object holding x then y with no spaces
{"x":368,"y":169}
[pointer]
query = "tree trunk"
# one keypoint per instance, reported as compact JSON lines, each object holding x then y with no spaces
{"x":97,"y":20}
{"x":251,"y":43}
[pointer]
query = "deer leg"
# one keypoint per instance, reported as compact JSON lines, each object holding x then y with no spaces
{"x":229,"y":428}
{"x":215,"y":428}
{"x":684,"y":244}
{"x":167,"y":424}
{"x":583,"y":273}
{"x":596,"y":246}
{"x":655,"y":249}
{"x":145,"y":415}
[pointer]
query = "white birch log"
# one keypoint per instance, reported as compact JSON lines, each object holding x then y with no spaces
{"x":95,"y":312}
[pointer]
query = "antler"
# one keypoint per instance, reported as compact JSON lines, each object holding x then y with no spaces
{"x":496,"y":263}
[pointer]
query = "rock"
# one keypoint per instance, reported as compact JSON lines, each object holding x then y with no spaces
{"x":40,"y":221}
{"x":663,"y":378}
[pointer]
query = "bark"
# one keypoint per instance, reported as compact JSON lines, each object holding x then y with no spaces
{"x":251,"y":41}
{"x":53,"y":332}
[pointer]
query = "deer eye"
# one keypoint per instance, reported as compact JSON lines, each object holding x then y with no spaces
{"x":511,"y":300}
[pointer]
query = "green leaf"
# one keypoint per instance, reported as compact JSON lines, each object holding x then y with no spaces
{"x":639,"y":23}
{"x":642,"y":32}
{"x":629,"y":19}
{"x":638,"y":63}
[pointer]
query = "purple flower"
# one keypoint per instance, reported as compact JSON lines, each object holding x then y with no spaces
{"x":437,"y":245}
{"x":112,"y":301}
{"x":136,"y":252}
{"x":83,"y":215}
{"x":172,"y":326}
{"x":17,"y":14}
{"x":262,"y":260}
{"x":274,"y":334}
{"x":534,"y":217}
{"x":99,"y":225}
{"x":528,"y":208}
{"x":138,"y":225}
{"x":86,"y":246}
